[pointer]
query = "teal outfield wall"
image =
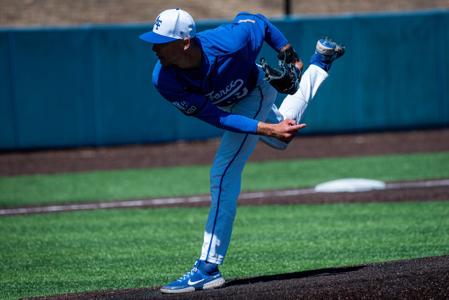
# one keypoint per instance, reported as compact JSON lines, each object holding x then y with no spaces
{"x":91,"y":85}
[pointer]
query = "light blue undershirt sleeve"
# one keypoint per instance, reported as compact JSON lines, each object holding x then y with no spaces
{"x":232,"y":122}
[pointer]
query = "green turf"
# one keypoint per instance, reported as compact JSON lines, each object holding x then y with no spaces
{"x":114,"y":249}
{"x":145,"y":183}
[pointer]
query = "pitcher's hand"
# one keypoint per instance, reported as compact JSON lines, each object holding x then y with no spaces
{"x":284,"y":131}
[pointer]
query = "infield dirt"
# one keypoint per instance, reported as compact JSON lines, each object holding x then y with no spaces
{"x":202,"y":152}
{"x":67,"y":12}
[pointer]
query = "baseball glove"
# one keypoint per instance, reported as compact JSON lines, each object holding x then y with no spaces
{"x":285,"y":79}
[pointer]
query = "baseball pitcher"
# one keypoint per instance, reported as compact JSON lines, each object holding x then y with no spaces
{"x":213,"y":76}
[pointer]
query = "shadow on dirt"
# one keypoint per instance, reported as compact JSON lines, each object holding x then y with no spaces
{"x":295,"y":275}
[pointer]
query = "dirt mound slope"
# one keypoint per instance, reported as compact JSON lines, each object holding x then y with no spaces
{"x":423,"y":278}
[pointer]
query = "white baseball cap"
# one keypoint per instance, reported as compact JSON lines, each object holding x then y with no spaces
{"x":169,"y":26}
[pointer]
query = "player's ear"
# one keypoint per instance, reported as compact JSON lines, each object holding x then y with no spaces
{"x":186,"y":43}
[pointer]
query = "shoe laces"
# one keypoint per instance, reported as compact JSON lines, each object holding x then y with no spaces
{"x":337,"y":47}
{"x":330,"y":42}
{"x":187,"y":274}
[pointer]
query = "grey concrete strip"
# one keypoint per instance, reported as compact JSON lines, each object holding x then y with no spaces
{"x":198,"y":199}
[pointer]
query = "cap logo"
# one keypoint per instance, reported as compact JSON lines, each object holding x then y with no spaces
{"x":158,"y":23}
{"x":170,"y":25}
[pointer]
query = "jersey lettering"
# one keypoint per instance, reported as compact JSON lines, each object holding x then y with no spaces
{"x":232,"y":89}
{"x":247,"y":21}
{"x":185,"y":107}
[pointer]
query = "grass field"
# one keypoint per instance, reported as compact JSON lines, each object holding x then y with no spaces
{"x":113,"y":249}
{"x":193,"y":180}
{"x":128,"y":248}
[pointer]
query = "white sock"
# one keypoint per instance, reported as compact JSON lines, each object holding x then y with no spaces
{"x":293,"y":106}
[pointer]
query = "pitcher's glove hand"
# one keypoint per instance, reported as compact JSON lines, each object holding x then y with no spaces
{"x":285,"y":79}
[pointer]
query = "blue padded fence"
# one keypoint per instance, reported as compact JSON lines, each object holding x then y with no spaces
{"x":91,"y":85}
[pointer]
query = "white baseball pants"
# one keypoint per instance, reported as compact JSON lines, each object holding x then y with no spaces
{"x":235,"y":149}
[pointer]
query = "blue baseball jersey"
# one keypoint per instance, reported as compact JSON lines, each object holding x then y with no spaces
{"x":227,"y":74}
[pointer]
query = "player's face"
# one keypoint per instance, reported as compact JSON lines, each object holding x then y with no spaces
{"x":169,"y":53}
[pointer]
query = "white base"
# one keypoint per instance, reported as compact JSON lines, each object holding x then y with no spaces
{"x":350,"y":185}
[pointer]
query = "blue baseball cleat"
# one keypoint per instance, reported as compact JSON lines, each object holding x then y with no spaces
{"x":195,"y":280}
{"x":326,"y":51}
